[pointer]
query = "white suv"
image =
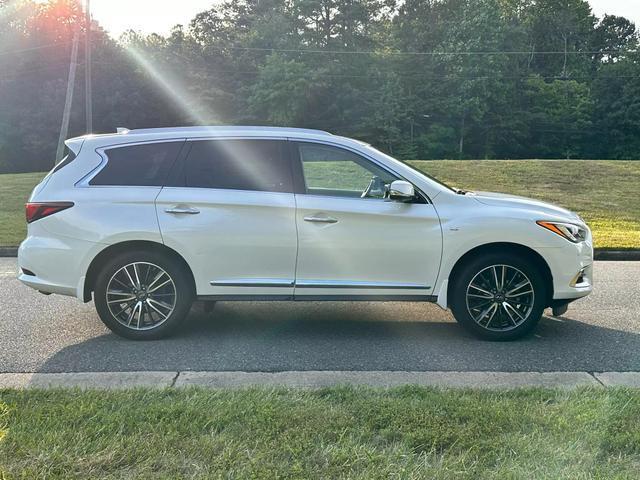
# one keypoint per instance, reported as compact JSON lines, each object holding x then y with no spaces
{"x":147,"y":221}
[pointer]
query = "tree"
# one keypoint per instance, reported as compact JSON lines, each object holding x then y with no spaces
{"x":418,"y":78}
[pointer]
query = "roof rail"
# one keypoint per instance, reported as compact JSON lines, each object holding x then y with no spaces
{"x":219,"y":128}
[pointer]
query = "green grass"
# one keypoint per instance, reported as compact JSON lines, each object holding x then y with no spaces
{"x":15,"y":189}
{"x":605,"y":193}
{"x":341,"y":432}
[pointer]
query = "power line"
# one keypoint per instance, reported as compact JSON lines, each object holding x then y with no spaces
{"x":17,"y":74}
{"x":426,"y":53}
{"x":374,"y":52}
{"x":378,"y":75}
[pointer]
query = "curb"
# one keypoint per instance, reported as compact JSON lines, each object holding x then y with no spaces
{"x":8,"y":251}
{"x":604,"y":254}
{"x":600,"y":254}
{"x":319,"y":379}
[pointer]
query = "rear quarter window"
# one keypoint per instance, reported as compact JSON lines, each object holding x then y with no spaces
{"x":138,"y":165}
{"x":68,"y":158}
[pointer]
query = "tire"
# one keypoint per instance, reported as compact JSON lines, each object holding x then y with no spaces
{"x":495,"y":309}
{"x":143,"y":295}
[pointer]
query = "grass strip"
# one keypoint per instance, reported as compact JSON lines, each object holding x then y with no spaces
{"x":338,"y":432}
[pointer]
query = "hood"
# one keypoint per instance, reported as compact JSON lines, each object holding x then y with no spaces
{"x":514,"y":201}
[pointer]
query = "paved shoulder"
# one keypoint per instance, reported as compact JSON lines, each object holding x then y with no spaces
{"x":59,"y":334}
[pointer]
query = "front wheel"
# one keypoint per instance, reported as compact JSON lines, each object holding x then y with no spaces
{"x":143,"y":295}
{"x":499,"y":296}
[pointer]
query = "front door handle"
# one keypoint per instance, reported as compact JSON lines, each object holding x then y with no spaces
{"x":183,"y":210}
{"x":321,"y":219}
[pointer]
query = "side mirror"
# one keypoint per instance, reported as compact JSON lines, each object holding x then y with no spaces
{"x":401,"y":191}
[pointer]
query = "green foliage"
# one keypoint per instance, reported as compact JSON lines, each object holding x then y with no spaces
{"x":560,"y":113}
{"x":339,"y":432}
{"x":417,"y":78}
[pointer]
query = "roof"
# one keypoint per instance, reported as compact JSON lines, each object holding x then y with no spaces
{"x":218,"y":129}
{"x":124,"y":135}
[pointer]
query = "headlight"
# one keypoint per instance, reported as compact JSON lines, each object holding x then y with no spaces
{"x":571,"y":232}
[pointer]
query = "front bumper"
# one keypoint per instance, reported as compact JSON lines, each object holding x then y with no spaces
{"x":572,"y":269}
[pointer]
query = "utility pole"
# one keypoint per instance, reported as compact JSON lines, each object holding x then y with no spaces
{"x":73,"y":63}
{"x":87,"y":68}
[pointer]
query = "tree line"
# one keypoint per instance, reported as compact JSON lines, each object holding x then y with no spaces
{"x":415,"y":78}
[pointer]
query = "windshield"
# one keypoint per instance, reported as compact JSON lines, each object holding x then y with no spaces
{"x":420,"y":172}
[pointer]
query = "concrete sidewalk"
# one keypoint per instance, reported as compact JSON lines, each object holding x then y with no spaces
{"x":318,"y":379}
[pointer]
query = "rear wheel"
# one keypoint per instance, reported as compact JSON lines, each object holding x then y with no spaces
{"x":499,"y":296}
{"x":143,"y":295}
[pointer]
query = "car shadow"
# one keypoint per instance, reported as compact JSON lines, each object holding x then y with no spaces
{"x":275,"y":336}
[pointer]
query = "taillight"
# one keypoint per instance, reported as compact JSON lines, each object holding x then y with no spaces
{"x":36,"y":211}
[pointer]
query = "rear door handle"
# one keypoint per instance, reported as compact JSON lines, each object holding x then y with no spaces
{"x":183,"y":210}
{"x":321,"y":219}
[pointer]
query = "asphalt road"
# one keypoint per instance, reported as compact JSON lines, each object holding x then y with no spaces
{"x":56,"y":334}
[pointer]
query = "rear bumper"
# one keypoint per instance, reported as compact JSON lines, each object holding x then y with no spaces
{"x":58,"y":264}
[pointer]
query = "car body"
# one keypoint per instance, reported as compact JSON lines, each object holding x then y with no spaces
{"x":266,"y":213}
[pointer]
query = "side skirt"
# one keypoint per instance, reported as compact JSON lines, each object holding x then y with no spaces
{"x":320,"y":298}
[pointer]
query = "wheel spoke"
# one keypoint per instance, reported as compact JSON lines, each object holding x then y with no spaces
{"x":135,"y":271}
{"x":479,"y":296}
{"x":139,"y":313}
{"x":481,"y":290}
{"x":127,"y":306}
{"x":146,"y":275}
{"x":519,"y":294}
{"x":519,"y":286}
{"x":513,"y":279}
{"x":126,"y":271}
{"x":485,"y":312}
{"x":122,"y":300}
{"x":508,"y":306}
{"x":158,"y":277}
{"x":151,"y":290}
{"x":132,"y":313}
{"x":121,"y":283}
{"x":162,"y":304}
{"x":509,"y":314}
{"x":496,"y":282}
{"x":158,"y":311}
{"x":495,"y":309}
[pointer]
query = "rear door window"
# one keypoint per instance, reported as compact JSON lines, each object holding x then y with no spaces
{"x":138,"y":165}
{"x":255,"y":165}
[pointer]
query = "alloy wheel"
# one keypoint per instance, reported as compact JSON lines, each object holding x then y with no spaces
{"x":500,"y":298}
{"x":141,"y":295}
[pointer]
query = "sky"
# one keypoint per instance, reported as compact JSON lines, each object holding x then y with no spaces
{"x":149,"y":16}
